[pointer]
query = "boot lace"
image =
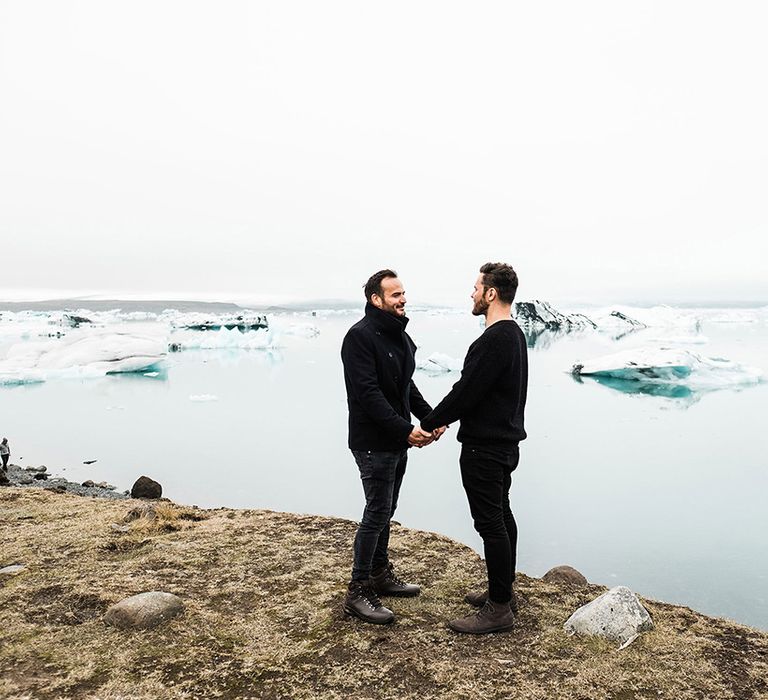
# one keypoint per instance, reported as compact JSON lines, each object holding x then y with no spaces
{"x":370,"y":597}
{"x":393,"y":577}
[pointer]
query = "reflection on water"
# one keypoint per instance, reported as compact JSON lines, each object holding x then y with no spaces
{"x":543,"y":338}
{"x":634,"y":386}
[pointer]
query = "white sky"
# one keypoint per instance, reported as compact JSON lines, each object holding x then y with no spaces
{"x":608,"y":150}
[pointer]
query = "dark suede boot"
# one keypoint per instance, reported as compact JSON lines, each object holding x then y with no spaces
{"x":492,"y":617}
{"x":363,"y":603}
{"x":385,"y":582}
{"x":477,"y":599}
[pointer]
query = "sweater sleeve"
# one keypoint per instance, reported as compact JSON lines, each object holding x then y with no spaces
{"x":419,"y":407}
{"x":481,"y":368}
{"x":360,"y":367}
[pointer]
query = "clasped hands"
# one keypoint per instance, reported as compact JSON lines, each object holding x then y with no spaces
{"x":422,"y":438}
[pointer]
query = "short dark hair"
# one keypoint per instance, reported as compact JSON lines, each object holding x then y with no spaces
{"x":373,"y":285}
{"x":502,"y":278}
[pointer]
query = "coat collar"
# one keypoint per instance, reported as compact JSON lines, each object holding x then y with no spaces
{"x":386,"y":322}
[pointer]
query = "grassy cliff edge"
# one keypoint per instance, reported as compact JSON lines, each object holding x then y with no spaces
{"x":262,"y":593}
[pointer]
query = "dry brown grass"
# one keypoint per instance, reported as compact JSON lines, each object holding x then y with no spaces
{"x":263,"y":595}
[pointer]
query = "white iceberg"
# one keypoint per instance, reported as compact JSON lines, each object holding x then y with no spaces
{"x":225,"y":339}
{"x":439,"y":363}
{"x":662,"y":317}
{"x":91,"y":355}
{"x":670,"y":366}
{"x":203,"y":397}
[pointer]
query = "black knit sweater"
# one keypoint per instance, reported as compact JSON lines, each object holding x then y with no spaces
{"x":489,"y":399}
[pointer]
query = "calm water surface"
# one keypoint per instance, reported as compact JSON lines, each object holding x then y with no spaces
{"x":664,"y":496}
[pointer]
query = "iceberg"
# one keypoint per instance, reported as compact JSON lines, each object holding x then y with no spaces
{"x":92,"y":355}
{"x":542,"y":315}
{"x":215,"y":322}
{"x":670,"y":367}
{"x":224,"y":339}
{"x":438,"y":363}
{"x":202,"y":398}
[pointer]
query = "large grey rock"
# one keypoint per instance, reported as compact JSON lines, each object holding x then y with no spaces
{"x":617,"y":615}
{"x":146,"y":488}
{"x":565,"y":574}
{"x":144,"y":610}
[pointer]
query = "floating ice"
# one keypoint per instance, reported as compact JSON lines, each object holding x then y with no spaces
{"x":660,"y":317}
{"x":246,"y":321}
{"x":540,"y":314}
{"x":302,"y":330}
{"x":438,"y":363}
{"x":670,"y":367}
{"x":697,"y":339}
{"x":203,"y":397}
{"x":617,"y":322}
{"x":81,"y":355}
{"x":225,"y":339}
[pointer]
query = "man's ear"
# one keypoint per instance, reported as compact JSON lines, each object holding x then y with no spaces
{"x":491,"y":294}
{"x":376,"y":301}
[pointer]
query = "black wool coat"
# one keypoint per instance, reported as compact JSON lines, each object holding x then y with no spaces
{"x":379,"y":361}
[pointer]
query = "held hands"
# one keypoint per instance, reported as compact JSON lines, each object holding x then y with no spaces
{"x":422,"y":438}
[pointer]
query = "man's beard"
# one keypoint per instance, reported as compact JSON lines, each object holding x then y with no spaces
{"x":480,"y":307}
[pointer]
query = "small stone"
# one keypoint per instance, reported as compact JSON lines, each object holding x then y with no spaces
{"x":146,"y":488}
{"x":12,"y":570}
{"x":105,"y":485}
{"x":41,"y":476}
{"x":565,"y":574}
{"x":120,"y":528}
{"x":42,"y":468}
{"x":144,"y":610}
{"x":617,"y":615}
{"x":88,"y":483}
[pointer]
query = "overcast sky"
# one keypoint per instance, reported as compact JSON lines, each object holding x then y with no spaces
{"x":608,"y":150}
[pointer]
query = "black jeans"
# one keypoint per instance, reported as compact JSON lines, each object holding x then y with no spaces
{"x":486,"y":474}
{"x":381,"y":474}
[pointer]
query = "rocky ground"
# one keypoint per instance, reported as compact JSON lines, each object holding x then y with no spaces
{"x":39,"y":477}
{"x":262,"y":595}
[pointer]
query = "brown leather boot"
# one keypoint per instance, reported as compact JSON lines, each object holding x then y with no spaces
{"x":385,"y":582}
{"x":363,"y":603}
{"x":492,"y":617}
{"x":477,"y":599}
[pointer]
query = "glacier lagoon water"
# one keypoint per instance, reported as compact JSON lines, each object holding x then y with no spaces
{"x":659,"y":489}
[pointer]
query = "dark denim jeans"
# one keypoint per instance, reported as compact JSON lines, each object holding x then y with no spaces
{"x":486,"y":474}
{"x":381,"y":474}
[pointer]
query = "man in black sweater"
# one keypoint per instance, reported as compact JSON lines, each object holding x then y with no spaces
{"x":378,"y":358}
{"x":489,"y":400}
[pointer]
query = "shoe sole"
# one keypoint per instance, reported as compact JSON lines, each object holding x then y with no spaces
{"x":351,"y":613}
{"x":503,"y":628}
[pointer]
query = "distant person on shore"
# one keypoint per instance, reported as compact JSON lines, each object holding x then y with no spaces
{"x":489,"y":400}
{"x":5,"y":453}
{"x":379,"y":361}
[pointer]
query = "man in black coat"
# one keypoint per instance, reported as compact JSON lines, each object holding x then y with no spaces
{"x":378,"y":358}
